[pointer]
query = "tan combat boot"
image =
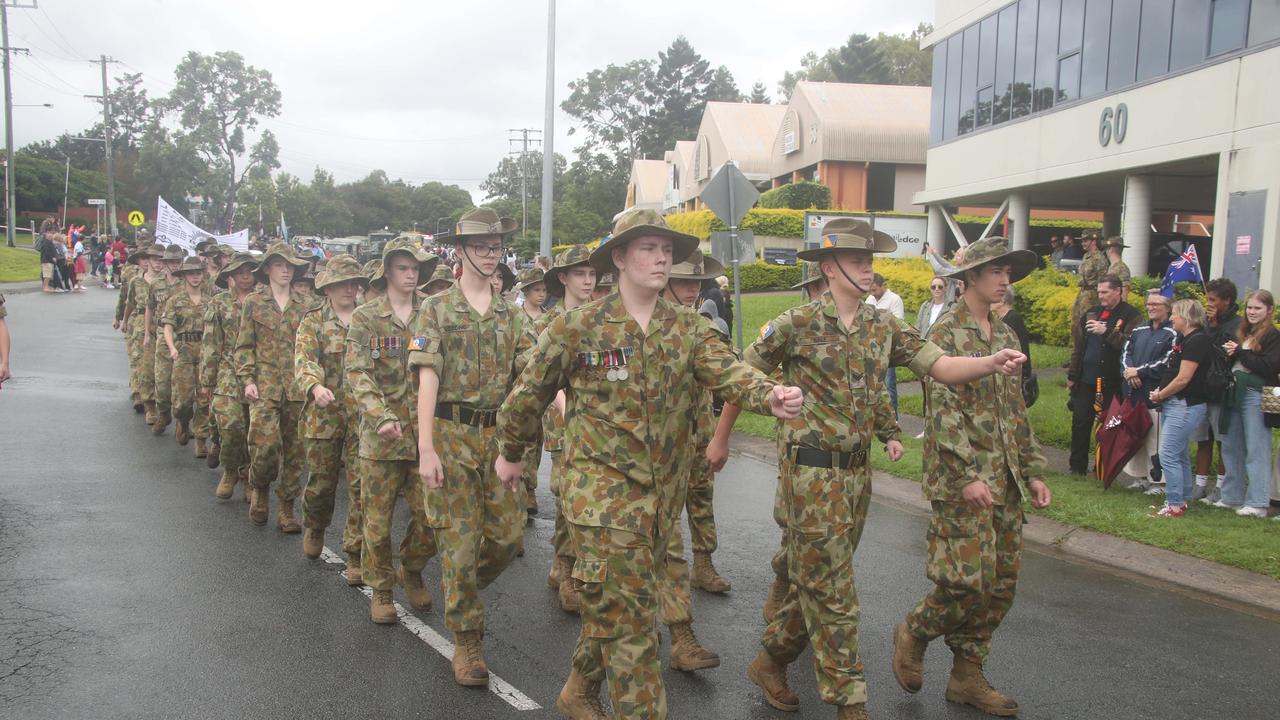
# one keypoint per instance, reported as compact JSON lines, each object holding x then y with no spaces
{"x":687,"y":653}
{"x":258,"y":506}
{"x":202,"y":448}
{"x":381,"y":610}
{"x":162,"y":422}
{"x":908,"y":659}
{"x":560,"y":569}
{"x":149,"y":417}
{"x":285,"y":520}
{"x":968,"y":686}
{"x":570,"y":600}
{"x":418,"y":594}
{"x":852,"y":712}
{"x":227,"y":485}
{"x":313,"y":542}
{"x":469,"y":669}
{"x":705,"y":576}
{"x":771,"y":676}
{"x":214,"y":457}
{"x":355,"y":578}
{"x":777,"y":593}
{"x":182,"y":433}
{"x":580,"y":699}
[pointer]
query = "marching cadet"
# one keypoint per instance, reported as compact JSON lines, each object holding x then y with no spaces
{"x":371,"y":270}
{"x":532,"y":284}
{"x":160,"y":291}
{"x":139,"y":292}
{"x":605,"y":284}
{"x":263,"y":359}
{"x":1114,"y":248}
{"x":183,"y":323}
{"x":121,"y":322}
{"x":304,"y":283}
{"x":837,"y":350}
{"x":377,"y":368}
{"x":1092,"y":269}
{"x":218,"y":382}
{"x":441,"y":280}
{"x":572,"y":279}
{"x":981,"y":463}
{"x":469,"y":343}
{"x":813,"y":284}
{"x":629,"y":365}
{"x":330,"y":424}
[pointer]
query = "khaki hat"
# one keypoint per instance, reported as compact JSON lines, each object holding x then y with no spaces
{"x":995,"y":251}
{"x":189,"y":265}
{"x":567,"y":260}
{"x":340,"y":269}
{"x":206,"y":244}
{"x":639,"y":222}
{"x":697,"y":267}
{"x":848,"y":233}
{"x":1093,"y":235}
{"x":227,"y":250}
{"x":308,"y":276}
{"x":812,"y":273}
{"x":150,"y":250}
{"x":479,"y":222}
{"x":238,"y":261}
{"x":283,"y":252}
{"x":173,"y":252}
{"x":530,"y":276}
{"x":426,"y":261}
{"x":371,"y":268}
{"x":442,"y":274}
{"x":1115,"y":241}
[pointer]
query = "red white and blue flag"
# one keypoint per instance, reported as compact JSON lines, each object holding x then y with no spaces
{"x":1185,"y":269}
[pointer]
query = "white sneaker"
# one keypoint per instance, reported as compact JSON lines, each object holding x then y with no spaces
{"x":1247,"y":511}
{"x":1221,"y":505}
{"x":1137,"y":484}
{"x":1155,"y":490}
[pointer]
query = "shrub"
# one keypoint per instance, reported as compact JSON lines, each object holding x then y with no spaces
{"x":758,"y":276}
{"x":782,"y":223}
{"x":1044,"y":299}
{"x":798,"y":196}
{"x":910,"y":279}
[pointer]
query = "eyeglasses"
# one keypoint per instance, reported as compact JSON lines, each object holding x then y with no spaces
{"x":486,"y":250}
{"x":937,"y":287}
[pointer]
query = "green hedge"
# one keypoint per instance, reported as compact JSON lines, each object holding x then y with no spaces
{"x":798,"y":196}
{"x":789,"y":223}
{"x":758,"y":276}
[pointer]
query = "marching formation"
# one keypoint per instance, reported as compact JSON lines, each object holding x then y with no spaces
{"x":439,"y":388}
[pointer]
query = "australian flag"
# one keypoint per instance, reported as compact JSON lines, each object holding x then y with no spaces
{"x":1185,"y":269}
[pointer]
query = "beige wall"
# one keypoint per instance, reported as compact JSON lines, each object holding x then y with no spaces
{"x":952,"y":16}
{"x":908,"y":180}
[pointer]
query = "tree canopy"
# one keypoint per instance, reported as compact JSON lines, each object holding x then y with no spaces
{"x":882,"y":60}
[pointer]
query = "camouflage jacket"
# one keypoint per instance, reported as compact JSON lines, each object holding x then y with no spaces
{"x":318,"y":356}
{"x":139,"y":291}
{"x":221,"y":331}
{"x":377,"y":368}
{"x":1121,"y":270}
{"x":185,"y":317}
{"x":1092,"y":269}
{"x":552,"y":421}
{"x":840,"y":371}
{"x":264,"y":345}
{"x":979,"y":430}
{"x":158,"y":292}
{"x":630,"y":398}
{"x":122,"y":298}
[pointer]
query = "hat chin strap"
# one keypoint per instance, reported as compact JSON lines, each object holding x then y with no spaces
{"x":467,"y":254}
{"x":852,"y":282}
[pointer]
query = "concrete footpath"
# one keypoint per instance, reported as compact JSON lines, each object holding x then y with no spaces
{"x":1208,"y":581}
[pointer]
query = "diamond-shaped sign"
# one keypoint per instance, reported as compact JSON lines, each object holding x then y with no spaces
{"x":730,"y":195}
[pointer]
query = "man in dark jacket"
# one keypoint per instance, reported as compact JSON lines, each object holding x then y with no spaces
{"x":1146,"y":356}
{"x":1103,"y":331}
{"x":1223,"y":313}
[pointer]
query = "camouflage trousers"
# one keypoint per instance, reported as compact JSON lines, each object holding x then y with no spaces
{"x":478,"y":522}
{"x":324,"y":455}
{"x":163,"y":370}
{"x":974,"y":558}
{"x":561,"y":539}
{"x":822,"y":512}
{"x":1084,"y":300}
{"x":187,"y":403}
{"x":275,"y":446}
{"x":381,"y":482}
{"x":133,"y":344}
{"x":699,"y":503}
{"x":623,"y":586}
{"x":232,"y":417}
{"x":144,"y":365}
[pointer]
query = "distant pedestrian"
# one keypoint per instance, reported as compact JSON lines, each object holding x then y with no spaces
{"x":1222,"y":319}
{"x":932,"y":308}
{"x":48,"y":259}
{"x":885,"y":299}
{"x":1055,"y":250}
{"x":1182,"y":403}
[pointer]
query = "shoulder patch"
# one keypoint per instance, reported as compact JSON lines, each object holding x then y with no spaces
{"x":418,"y":342}
{"x":766,"y":330}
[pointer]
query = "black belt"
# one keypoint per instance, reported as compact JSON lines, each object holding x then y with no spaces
{"x":813,"y":457}
{"x":457,"y":412}
{"x":188,"y":336}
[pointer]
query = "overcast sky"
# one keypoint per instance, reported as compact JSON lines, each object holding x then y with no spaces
{"x":425,"y":90}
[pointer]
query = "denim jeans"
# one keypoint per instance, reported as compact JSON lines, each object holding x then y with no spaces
{"x":1246,"y":452}
{"x":1177,"y":422}
{"x":891,"y":382}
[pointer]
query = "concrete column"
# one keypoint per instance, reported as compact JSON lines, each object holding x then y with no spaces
{"x":1019,"y":221}
{"x":1111,"y":218}
{"x":1137,"y":222}
{"x":936,"y":230}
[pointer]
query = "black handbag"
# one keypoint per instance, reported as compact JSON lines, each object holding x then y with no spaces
{"x":1031,"y":391}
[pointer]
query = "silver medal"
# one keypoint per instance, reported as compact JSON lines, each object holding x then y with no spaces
{"x":375,"y":354}
{"x":612,"y":375}
{"x":622,"y":373}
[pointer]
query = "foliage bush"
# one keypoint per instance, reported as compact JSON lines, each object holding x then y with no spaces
{"x":798,"y":196}
{"x":1044,"y":299}
{"x":758,"y":276}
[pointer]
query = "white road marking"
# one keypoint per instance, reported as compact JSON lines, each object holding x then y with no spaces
{"x":440,"y":643}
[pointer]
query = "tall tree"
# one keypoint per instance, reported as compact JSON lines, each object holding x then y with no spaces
{"x":759,"y":94}
{"x":678,"y":92}
{"x":883,"y":60}
{"x":505,"y":181}
{"x":220,"y":100}
{"x":611,"y":104}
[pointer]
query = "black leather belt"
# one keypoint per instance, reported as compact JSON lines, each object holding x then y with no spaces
{"x":813,"y":457}
{"x":188,"y":336}
{"x":457,"y":412}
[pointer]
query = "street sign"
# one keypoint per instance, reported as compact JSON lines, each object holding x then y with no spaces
{"x":722,"y":247}
{"x":779,"y":256}
{"x":136,"y":218}
{"x":96,"y":201}
{"x":730,"y":195}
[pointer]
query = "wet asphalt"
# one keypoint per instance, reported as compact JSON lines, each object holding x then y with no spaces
{"x":128,"y":591}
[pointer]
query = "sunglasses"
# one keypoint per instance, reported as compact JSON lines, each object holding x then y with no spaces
{"x":936,"y":287}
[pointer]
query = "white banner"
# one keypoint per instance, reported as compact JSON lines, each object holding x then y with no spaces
{"x":174,"y":229}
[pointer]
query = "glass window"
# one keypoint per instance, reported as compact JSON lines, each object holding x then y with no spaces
{"x":1264,"y":21}
{"x":1228,"y":25}
{"x":1122,"y":66}
{"x":1070,"y":26}
{"x":1069,"y":77}
{"x":1007,"y":46}
{"x":1190,"y":33}
{"x":1097,"y":33}
{"x":969,"y":78}
{"x":951,"y":118}
{"x":938,"y":100}
{"x":1024,"y":67}
{"x":1153,"y":38}
{"x":984,"y":106}
{"x":1046,"y":55}
{"x":987,"y":51}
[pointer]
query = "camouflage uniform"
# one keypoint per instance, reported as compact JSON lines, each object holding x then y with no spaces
{"x":477,"y":520}
{"x":218,"y":377}
{"x":187,"y":320}
{"x":1092,"y":269}
{"x":379,"y":383}
{"x":330,"y":434}
{"x":630,"y":396}
{"x":977,"y":432}
{"x":264,"y":356}
{"x":553,"y":443}
{"x":841,"y":372}
{"x":1121,"y":270}
{"x":144,"y":360}
{"x":159,"y":293}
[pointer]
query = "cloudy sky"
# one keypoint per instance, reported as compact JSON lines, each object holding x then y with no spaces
{"x":425,"y":90}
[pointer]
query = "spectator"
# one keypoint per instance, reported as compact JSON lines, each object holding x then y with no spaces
{"x":885,"y":299}
{"x":1013,"y":319}
{"x":1071,"y":249}
{"x":1055,"y":250}
{"x":109,"y":260}
{"x":62,"y":268}
{"x":48,"y":259}
{"x":1246,"y":440}
{"x":1222,"y":321}
{"x":930,"y":309}
{"x":79,"y":263}
{"x":714,"y":290}
{"x":1182,"y":403}
{"x":1095,"y":360}
{"x":1145,"y":358}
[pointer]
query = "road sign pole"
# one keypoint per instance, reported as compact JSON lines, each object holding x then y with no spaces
{"x":737,"y":271}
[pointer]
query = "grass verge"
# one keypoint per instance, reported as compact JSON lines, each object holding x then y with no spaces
{"x":17,"y":265}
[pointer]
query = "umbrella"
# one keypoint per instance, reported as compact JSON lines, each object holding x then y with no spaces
{"x":1121,"y":433}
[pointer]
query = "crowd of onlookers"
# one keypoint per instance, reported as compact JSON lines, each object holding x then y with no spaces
{"x":68,"y":254}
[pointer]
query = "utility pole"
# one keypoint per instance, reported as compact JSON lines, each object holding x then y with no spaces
{"x":105,"y":97}
{"x":548,"y":134}
{"x":523,"y":152}
{"x":10,"y":172}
